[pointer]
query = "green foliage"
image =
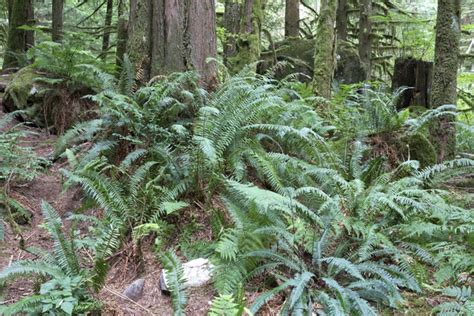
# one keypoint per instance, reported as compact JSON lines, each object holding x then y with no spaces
{"x":18,"y":163}
{"x":329,"y":227}
{"x":69,"y":66}
{"x":175,"y":281}
{"x":65,"y":285}
{"x":461,"y":303}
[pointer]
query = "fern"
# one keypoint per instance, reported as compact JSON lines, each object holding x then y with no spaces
{"x":175,"y":281}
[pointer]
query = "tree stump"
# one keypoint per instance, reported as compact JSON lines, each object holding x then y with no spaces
{"x":416,"y":76}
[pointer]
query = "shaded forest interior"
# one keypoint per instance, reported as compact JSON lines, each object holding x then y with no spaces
{"x":237,"y":157}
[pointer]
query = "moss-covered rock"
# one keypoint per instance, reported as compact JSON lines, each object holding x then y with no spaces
{"x":46,"y":105}
{"x":420,"y":149}
{"x":21,"y":95}
{"x":298,"y":55}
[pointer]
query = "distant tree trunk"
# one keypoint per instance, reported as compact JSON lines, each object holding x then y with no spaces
{"x":57,"y":28}
{"x":107,"y":25}
{"x":231,"y":21}
{"x":342,"y":20}
{"x":325,"y":49}
{"x":9,"y":10}
{"x":444,"y":87}
{"x":417,"y":76}
{"x":122,"y":34}
{"x":365,"y":40}
{"x":18,"y":40}
{"x":292,"y":18}
{"x":248,"y":41}
{"x":30,"y":35}
{"x":171,"y":35}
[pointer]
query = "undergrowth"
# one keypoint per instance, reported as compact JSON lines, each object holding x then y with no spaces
{"x":333,"y":225}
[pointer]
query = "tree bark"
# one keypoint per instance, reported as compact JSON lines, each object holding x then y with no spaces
{"x":122,"y":34}
{"x":202,"y":40}
{"x":57,"y":27}
{"x":248,"y":40}
{"x":168,"y":36}
{"x":417,"y":76}
{"x":107,"y":24}
{"x":342,"y":20}
{"x":444,"y":87}
{"x":325,"y":49}
{"x":139,"y":37}
{"x":292,"y":18}
{"x":18,"y":40}
{"x":231,"y":21}
{"x":365,"y":40}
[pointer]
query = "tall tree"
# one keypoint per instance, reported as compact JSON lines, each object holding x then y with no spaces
{"x":231,"y":22}
{"x":107,"y":25}
{"x":325,"y":49}
{"x":57,"y":27}
{"x":292,"y":18}
{"x":444,"y":87}
{"x":342,"y":20}
{"x":365,"y":39}
{"x":122,"y":33}
{"x":18,"y":39}
{"x":247,"y":41}
{"x":171,"y":35}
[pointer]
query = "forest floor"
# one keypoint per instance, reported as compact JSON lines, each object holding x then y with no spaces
{"x":125,"y":265}
{"x":48,"y":186}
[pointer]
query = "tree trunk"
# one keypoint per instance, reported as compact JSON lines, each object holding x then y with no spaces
{"x":139,"y":37}
{"x":107,"y":25}
{"x":365,"y":40}
{"x":325,"y":44}
{"x":342,"y":20}
{"x":201,"y":31}
{"x":57,"y":31}
{"x":416,"y":75}
{"x":232,"y":18}
{"x":444,"y":87}
{"x":248,"y":41}
{"x":292,"y":18}
{"x":18,"y":40}
{"x":122,"y":34}
{"x":168,"y":36}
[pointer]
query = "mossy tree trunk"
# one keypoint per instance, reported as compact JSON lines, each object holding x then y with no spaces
{"x":325,"y":49}
{"x":365,"y":40}
{"x":231,"y":22}
{"x":57,"y":17}
{"x":248,"y":40}
{"x":107,"y":25}
{"x":292,"y":18}
{"x":18,"y":40}
{"x":139,"y":37}
{"x":167,"y":36}
{"x":444,"y":86}
{"x":122,"y":34}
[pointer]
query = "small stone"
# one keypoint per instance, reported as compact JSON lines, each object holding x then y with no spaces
{"x":135,"y":290}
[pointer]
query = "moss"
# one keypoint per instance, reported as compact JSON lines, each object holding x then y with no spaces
{"x":56,"y":107}
{"x":19,"y":90}
{"x":324,"y":53}
{"x":248,"y":52}
{"x":420,"y":148}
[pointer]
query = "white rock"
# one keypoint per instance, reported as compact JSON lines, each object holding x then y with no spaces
{"x":197,"y":272}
